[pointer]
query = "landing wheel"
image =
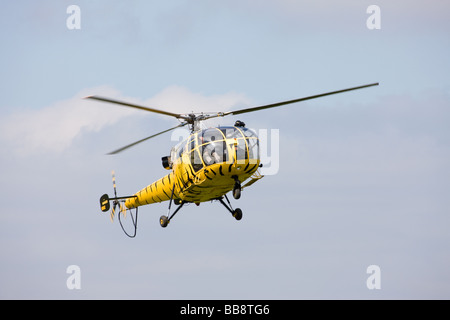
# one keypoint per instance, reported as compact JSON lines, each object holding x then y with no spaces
{"x":237,"y":191}
{"x":236,"y":188}
{"x":237,"y":214}
{"x":164,"y":221}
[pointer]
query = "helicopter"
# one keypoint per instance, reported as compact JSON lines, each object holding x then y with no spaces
{"x":206,"y":166}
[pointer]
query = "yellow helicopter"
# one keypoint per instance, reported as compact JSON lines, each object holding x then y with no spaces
{"x":204,"y":167}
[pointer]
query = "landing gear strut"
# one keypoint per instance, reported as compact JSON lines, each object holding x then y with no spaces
{"x":237,"y":213}
{"x":164,"y":220}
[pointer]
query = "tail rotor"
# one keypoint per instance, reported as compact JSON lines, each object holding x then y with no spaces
{"x":115,"y":202}
{"x":118,"y":203}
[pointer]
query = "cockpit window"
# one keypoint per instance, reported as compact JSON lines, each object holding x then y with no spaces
{"x":216,"y":143}
{"x":219,"y":145}
{"x":213,"y":148}
{"x":252,"y":143}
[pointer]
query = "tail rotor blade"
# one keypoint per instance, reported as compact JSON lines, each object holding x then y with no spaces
{"x":114,"y":182}
{"x":113,"y":210}
{"x":111,"y":215}
{"x":123,"y":210}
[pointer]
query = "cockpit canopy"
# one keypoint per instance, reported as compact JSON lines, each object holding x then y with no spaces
{"x":218,"y":145}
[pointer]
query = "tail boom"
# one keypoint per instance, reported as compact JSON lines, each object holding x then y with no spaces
{"x":158,"y":191}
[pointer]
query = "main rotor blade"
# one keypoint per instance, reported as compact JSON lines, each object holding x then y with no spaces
{"x":142,"y":140}
{"x":273,"y":105}
{"x":126,"y":104}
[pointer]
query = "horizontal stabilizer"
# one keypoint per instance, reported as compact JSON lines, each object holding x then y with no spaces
{"x":105,"y":199}
{"x":104,"y":203}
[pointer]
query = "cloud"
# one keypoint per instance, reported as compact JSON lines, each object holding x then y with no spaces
{"x":55,"y":127}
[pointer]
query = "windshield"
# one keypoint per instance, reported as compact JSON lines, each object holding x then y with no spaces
{"x":218,"y":145}
{"x":215,"y":144}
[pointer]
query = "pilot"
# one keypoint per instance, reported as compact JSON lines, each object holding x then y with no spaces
{"x":210,"y":156}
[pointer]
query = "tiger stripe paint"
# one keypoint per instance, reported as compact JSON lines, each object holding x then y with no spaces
{"x":200,"y":182}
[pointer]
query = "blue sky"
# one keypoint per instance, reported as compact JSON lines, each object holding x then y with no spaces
{"x":363,"y":176}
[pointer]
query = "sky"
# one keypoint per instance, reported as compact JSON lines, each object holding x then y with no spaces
{"x":359,"y":179}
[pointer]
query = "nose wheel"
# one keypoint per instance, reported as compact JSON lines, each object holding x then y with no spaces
{"x":236,"y":188}
{"x":237,"y":191}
